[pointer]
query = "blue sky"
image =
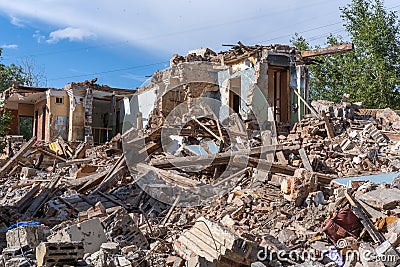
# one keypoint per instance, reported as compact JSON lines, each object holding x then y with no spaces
{"x":122,"y":42}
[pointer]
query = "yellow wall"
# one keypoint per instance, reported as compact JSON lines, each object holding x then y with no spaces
{"x":78,"y":120}
{"x":59,"y":109}
{"x":56,"y":110}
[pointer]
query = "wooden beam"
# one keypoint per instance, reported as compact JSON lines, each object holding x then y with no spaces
{"x":83,"y":180}
{"x":313,"y":111}
{"x":208,"y":130}
{"x":329,"y":127}
{"x":359,"y":211}
{"x":114,"y":174}
{"x":46,"y":193}
{"x":305,"y":160}
{"x":213,"y":159}
{"x":11,"y":162}
{"x":330,"y":50}
{"x":50,"y":154}
{"x":285,"y":169}
{"x":168,"y":176}
{"x":73,"y":161}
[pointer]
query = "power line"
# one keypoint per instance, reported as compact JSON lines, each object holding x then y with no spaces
{"x":207,"y":27}
{"x":309,"y":30}
{"x":159,"y":63}
{"x":71,"y":50}
{"x":210,"y":26}
{"x":108,"y":71}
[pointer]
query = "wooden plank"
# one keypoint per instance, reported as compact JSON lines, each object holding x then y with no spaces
{"x":169,"y":177}
{"x":281,"y":158}
{"x":26,"y":200}
{"x":330,"y":50}
{"x":83,"y":180}
{"x":206,"y":128}
{"x":305,"y":160}
{"x":11,"y":162}
{"x":200,"y":132}
{"x":73,"y":161}
{"x":51,"y":154}
{"x":111,"y":178}
{"x":241,"y":173}
{"x":365,"y":221}
{"x":313,"y":111}
{"x":80,"y":150}
{"x":43,"y":196}
{"x":171,"y":209}
{"x":285,"y":169}
{"x":95,"y":181}
{"x":266,"y":137}
{"x":217,"y":159}
{"x":328,"y":126}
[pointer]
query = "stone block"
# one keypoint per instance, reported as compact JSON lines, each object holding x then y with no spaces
{"x":58,"y":254}
{"x":110,"y":247}
{"x":18,"y":262}
{"x":213,"y":243}
{"x":27,"y":172}
{"x":90,"y":233}
{"x":26,"y":236}
{"x":382,"y":198}
{"x":15,"y":252}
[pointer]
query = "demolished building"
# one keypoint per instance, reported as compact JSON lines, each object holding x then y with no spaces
{"x":277,"y":204}
{"x":271,"y":81}
{"x":81,"y":111}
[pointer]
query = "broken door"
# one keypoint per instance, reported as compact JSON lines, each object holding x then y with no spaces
{"x":278,"y":93}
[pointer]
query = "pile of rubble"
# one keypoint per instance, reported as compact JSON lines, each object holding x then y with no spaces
{"x":203,"y":198}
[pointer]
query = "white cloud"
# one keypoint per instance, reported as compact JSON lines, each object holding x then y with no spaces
{"x":9,"y":46}
{"x":16,"y":22}
{"x":39,"y":37}
{"x":177,"y":26}
{"x":72,"y":34}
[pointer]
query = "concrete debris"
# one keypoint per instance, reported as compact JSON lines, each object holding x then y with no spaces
{"x":214,"y":243}
{"x":59,"y":254}
{"x":219,"y":190}
{"x":29,"y":236}
{"x":90,"y":233}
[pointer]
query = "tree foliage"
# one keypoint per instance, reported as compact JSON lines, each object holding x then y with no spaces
{"x":371,"y":73}
{"x":10,"y":73}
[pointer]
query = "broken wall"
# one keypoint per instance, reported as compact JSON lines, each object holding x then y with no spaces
{"x":42,"y":131}
{"x":76,"y":115}
{"x":245,"y":76}
{"x":58,"y":113}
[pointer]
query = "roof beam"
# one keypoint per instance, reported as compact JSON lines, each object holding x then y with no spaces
{"x":330,"y":50}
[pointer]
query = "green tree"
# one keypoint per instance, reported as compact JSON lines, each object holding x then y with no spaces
{"x":5,"y":119}
{"x":371,"y":73}
{"x":10,"y":73}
